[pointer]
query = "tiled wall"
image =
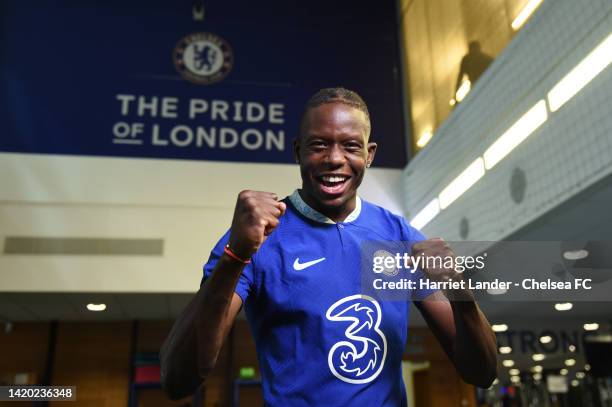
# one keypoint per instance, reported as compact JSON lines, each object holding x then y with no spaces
{"x":569,"y":152}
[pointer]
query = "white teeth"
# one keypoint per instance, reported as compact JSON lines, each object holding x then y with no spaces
{"x":328,"y":178}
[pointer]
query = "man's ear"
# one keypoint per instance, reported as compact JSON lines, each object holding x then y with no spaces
{"x":296,"y":149}
{"x":371,"y":153}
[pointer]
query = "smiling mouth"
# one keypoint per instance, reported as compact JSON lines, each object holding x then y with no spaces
{"x":333,"y":184}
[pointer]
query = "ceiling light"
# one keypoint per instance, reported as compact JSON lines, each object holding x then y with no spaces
{"x":538,"y":357}
{"x":545,"y":339}
{"x":572,"y":348}
{"x":591,"y":327}
{"x":580,"y":375}
{"x":537,"y":376}
{"x":575,"y":383}
{"x":96,"y":307}
{"x":508,"y":362}
{"x":570,"y":362}
{"x":514,"y":372}
{"x":601,"y":338}
{"x":426,"y":214}
{"x":591,"y":66}
{"x":504,"y":350}
{"x":463,"y":90}
{"x":497,"y":291}
{"x":587,"y":367}
{"x":462,"y":183}
{"x":424,"y":139}
{"x":527,"y":11}
{"x":516,"y":134}
{"x":563,"y":371}
{"x":536,"y":369}
{"x":515,"y":379}
{"x":500,"y":328}
{"x":564,"y":306}
{"x":575,"y":254}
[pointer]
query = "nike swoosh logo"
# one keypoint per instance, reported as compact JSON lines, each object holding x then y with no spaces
{"x":301,"y":266}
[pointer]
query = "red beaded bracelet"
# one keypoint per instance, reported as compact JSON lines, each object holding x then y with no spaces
{"x":234,"y":256}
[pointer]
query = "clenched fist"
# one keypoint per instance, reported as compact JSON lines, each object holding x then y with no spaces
{"x":437,"y":267}
{"x":255,"y":217}
{"x":436,"y":254}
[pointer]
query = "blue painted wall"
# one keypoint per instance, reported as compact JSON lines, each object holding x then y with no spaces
{"x":63,"y":63}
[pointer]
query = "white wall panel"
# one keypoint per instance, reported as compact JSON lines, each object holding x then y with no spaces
{"x":188,"y":204}
{"x":570,"y":151}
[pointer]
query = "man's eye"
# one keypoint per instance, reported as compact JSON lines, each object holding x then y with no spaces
{"x":353,"y":146}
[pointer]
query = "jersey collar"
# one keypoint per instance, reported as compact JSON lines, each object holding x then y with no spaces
{"x":313,"y":214}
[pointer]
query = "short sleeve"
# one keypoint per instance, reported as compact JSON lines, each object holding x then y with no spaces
{"x":412,"y":236}
{"x":245,"y":283}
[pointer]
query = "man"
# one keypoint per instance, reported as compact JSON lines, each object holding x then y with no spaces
{"x":473,"y":64}
{"x":294,"y":265}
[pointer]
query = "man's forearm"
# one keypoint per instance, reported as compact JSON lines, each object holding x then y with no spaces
{"x":179,"y":368}
{"x":475,"y":353}
{"x":463,"y":331}
{"x":191,"y":349}
{"x":213,"y":322}
{"x":192,"y":346}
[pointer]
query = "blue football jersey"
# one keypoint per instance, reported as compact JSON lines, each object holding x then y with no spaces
{"x":319,"y":340}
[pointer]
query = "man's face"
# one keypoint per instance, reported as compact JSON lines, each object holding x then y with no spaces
{"x":333,"y":151}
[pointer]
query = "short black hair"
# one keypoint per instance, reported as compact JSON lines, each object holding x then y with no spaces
{"x":336,"y":95}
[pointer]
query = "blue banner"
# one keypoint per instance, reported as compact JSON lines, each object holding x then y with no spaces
{"x":146,"y":79}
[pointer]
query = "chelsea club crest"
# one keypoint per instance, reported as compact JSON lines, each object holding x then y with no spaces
{"x":203,"y":58}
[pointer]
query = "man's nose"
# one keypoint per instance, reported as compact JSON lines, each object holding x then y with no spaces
{"x":336,"y":155}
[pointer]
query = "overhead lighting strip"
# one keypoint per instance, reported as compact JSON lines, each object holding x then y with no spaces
{"x":515,"y":135}
{"x":426,"y":214}
{"x":583,"y":73}
{"x":462,"y":183}
{"x":525,"y":13}
{"x":591,"y":66}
